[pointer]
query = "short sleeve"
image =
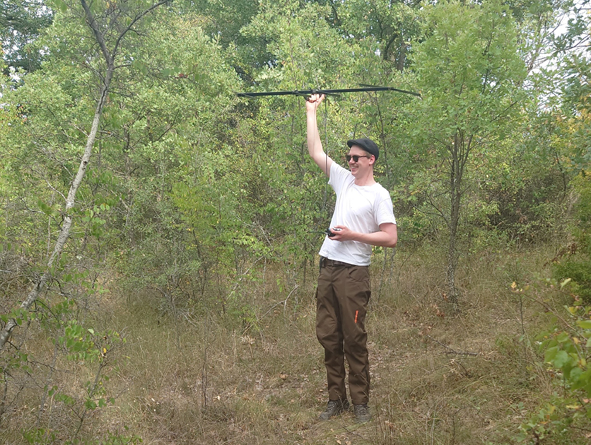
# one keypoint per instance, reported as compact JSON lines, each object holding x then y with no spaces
{"x":385,"y":209}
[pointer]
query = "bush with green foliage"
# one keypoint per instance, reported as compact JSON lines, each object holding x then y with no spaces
{"x":567,"y":354}
{"x":577,"y":264}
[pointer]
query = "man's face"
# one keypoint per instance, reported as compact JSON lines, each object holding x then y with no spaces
{"x":363,"y":163}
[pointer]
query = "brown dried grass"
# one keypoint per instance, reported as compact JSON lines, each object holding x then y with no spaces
{"x":210,"y":378}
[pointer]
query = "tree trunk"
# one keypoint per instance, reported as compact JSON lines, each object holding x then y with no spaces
{"x":67,"y":218}
{"x":454,"y":220}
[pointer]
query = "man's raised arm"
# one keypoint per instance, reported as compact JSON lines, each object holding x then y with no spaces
{"x":314,"y":143}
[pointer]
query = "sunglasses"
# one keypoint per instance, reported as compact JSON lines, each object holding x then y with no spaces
{"x":355,"y":157}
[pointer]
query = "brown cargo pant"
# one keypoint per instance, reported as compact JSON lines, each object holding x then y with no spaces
{"x":341,"y":299}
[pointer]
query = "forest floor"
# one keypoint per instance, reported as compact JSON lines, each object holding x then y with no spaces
{"x":437,"y":378}
{"x":256,"y":376}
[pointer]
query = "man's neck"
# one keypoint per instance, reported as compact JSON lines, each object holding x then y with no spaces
{"x":365,"y":181}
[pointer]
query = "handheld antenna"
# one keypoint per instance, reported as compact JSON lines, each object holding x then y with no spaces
{"x":307,"y":93}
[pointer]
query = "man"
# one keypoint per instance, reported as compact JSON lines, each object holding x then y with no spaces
{"x":363,"y":217}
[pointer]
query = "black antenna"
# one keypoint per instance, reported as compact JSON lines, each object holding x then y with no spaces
{"x":326,"y":91}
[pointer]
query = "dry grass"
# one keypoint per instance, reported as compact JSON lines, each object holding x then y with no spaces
{"x":210,"y":378}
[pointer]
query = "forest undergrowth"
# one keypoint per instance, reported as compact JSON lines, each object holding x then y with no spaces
{"x":257,"y":377}
{"x":157,"y":230}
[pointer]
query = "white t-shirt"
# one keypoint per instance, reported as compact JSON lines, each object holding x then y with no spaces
{"x":361,"y":209}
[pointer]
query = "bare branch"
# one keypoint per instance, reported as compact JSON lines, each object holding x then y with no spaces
{"x":133,"y":22}
{"x":97,"y":33}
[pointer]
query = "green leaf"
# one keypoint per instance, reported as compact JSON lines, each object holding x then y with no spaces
{"x":90,"y":404}
{"x":561,"y":359}
{"x":585,"y":324}
{"x":550,"y":354}
{"x":61,"y":5}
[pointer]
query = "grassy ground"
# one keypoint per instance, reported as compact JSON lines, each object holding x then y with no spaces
{"x":437,"y":378}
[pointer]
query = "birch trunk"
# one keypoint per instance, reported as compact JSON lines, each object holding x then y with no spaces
{"x":67,"y":217}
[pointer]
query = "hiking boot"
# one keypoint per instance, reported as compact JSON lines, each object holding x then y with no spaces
{"x":362,"y":414}
{"x":334,"y":408}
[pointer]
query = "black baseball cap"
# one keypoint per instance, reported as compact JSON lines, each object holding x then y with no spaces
{"x":367,"y":144}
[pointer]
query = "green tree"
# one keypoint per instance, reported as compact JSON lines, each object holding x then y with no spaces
{"x":5,"y":117}
{"x":307,"y":53}
{"x":223,"y":22}
{"x":572,"y":133}
{"x":469,"y":71}
{"x":107,"y":28}
{"x":174,"y":142}
{"x":393,"y":25}
{"x":167,"y":121}
{"x":21,"y":22}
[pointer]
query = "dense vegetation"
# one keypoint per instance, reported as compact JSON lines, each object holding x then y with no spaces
{"x":159,"y":233}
